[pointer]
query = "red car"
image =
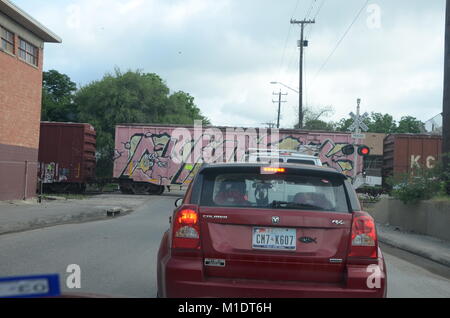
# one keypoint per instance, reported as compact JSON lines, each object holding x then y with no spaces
{"x":252,"y":230}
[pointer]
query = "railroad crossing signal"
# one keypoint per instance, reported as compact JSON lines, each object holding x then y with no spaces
{"x":349,"y":150}
{"x":358,"y":126}
{"x":358,"y":122}
{"x":358,"y":136}
{"x":363,"y":151}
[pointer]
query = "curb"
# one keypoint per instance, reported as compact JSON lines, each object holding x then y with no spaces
{"x":412,"y":249}
{"x":39,"y":223}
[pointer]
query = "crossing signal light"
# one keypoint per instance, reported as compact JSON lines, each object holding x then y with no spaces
{"x":348,"y":150}
{"x":363,"y":151}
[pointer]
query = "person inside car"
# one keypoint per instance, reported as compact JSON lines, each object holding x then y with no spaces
{"x":232,"y":192}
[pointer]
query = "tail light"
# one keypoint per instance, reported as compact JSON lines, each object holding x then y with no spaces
{"x":364,"y":237}
{"x":186,"y":228}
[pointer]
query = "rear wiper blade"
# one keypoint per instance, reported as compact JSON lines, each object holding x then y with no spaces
{"x":281,"y":204}
{"x":278,"y":204}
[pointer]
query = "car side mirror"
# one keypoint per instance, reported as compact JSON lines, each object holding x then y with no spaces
{"x":178,"y":202}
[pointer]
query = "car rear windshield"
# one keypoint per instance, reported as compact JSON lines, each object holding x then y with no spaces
{"x":302,"y":161}
{"x":299,"y":191}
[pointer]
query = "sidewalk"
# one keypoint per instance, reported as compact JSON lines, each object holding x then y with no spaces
{"x":426,"y":246}
{"x":28,"y":215}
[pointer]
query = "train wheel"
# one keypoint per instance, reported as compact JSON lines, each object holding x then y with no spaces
{"x":125,"y":189}
{"x":79,"y":188}
{"x":156,"y":190}
{"x":140,"y":188}
{"x":59,"y":188}
{"x":83,"y":188}
{"x":160,"y":190}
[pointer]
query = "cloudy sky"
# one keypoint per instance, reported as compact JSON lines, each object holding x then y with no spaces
{"x":225,"y":53}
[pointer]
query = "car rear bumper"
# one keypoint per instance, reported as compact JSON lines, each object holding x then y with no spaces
{"x":184,"y":278}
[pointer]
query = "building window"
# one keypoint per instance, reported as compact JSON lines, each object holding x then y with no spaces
{"x":28,"y":52}
{"x":7,"y":39}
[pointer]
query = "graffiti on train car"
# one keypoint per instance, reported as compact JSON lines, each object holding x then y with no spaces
{"x":170,"y":155}
{"x":52,"y":173}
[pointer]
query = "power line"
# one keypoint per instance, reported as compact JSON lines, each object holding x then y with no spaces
{"x":269,"y":125}
{"x":279,"y":101}
{"x":340,"y":41}
{"x":310,"y":9}
{"x":315,"y":17}
{"x":309,"y":28}
{"x":302,"y":44}
{"x":307,"y":36}
{"x":291,"y":59}
{"x":287,"y":37}
{"x":320,"y":8}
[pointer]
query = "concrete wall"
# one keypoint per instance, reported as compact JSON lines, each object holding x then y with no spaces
{"x":427,"y":217}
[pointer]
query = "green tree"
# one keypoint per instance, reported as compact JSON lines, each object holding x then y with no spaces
{"x":317,"y":124}
{"x":376,"y":122}
{"x":343,"y":124}
{"x":131,"y":97}
{"x":382,"y":123}
{"x":313,"y":118}
{"x":57,"y":97}
{"x":181,"y":109}
{"x":410,"y":125}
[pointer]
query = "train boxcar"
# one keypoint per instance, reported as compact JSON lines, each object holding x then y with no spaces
{"x":405,"y":152}
{"x":144,"y":161}
{"x":66,"y":156}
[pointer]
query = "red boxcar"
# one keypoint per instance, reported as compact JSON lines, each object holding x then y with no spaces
{"x":67,"y":155}
{"x":405,"y":152}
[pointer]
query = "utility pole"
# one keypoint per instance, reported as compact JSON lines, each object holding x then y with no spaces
{"x":446,"y":103}
{"x":302,"y":43}
{"x":269,"y":125}
{"x":279,"y":105}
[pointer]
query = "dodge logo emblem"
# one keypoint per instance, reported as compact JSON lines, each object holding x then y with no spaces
{"x":275,"y":219}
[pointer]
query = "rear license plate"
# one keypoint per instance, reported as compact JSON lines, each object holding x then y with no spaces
{"x":271,"y":238}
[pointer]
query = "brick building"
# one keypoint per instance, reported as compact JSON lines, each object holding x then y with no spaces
{"x":21,"y":57}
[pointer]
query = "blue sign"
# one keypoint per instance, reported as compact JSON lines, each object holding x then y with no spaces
{"x":30,"y":286}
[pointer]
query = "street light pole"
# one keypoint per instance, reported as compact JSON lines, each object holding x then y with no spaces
{"x":288,"y":87}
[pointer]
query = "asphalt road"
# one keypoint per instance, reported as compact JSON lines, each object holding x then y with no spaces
{"x":118,"y":256}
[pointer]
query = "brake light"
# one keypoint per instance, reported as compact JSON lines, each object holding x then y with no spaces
{"x":364,"y":237}
{"x":273,"y":170}
{"x":187,"y":217}
{"x":186,"y":229}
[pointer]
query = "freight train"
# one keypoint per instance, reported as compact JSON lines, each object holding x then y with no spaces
{"x":66,"y":157}
{"x":148,"y":158}
{"x":145,"y":154}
